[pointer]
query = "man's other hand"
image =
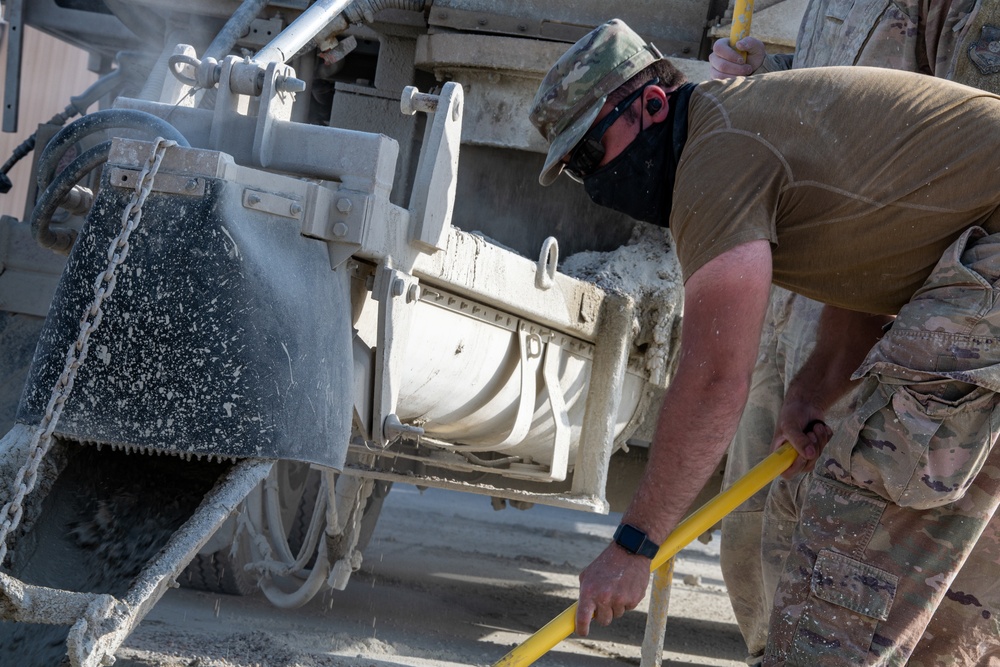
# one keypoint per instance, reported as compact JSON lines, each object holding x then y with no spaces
{"x":802,"y":425}
{"x":727,"y":62}
{"x":614,"y":583}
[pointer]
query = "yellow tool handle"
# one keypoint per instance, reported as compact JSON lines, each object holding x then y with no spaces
{"x":562,"y":626}
{"x":742,"y":13}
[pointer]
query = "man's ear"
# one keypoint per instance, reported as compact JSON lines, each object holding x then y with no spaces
{"x":655,"y":106}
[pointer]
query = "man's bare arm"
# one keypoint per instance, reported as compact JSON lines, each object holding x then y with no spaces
{"x":843,"y":340}
{"x":724,"y":307}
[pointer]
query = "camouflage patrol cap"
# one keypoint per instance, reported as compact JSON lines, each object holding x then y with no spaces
{"x":577,"y":86}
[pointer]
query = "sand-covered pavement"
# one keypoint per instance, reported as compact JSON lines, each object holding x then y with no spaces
{"x":446,"y":581}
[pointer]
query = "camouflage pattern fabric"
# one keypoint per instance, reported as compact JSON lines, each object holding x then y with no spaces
{"x":904,"y":490}
{"x":787,"y":339}
{"x":781,"y":515}
{"x":965,"y":627}
{"x":910,"y":35}
{"x":977,"y":59}
{"x":913,"y":35}
{"x":574,"y":90}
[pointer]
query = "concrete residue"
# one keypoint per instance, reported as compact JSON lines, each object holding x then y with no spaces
{"x":18,"y":337}
{"x":106,"y":516}
{"x":15,"y":447}
{"x":646,"y":269}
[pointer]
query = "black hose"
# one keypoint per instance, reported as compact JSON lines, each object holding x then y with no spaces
{"x":61,"y":241}
{"x":78,"y":104}
{"x":23,"y":149}
{"x":107,"y":119}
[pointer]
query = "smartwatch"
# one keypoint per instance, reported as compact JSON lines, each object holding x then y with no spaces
{"x":634,"y":541}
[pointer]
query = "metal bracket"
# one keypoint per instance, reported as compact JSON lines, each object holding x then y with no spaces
{"x":395,"y":291}
{"x":15,"y":48}
{"x":538,"y":352}
{"x":432,"y":199}
{"x":261,"y":32}
{"x":560,"y":418}
{"x":175,"y":184}
{"x":531,"y":348}
{"x":275,"y":105}
{"x":614,"y":336}
{"x":227,"y":107}
{"x":267,"y":202}
{"x":338,"y":217}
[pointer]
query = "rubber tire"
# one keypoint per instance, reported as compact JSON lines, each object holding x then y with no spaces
{"x":220,"y":572}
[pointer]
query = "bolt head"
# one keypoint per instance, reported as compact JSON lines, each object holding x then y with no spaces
{"x":398,"y":287}
{"x":413,"y":294}
{"x":295,"y":208}
{"x":291,"y":85}
{"x":344,"y":205}
{"x":406,"y":104}
{"x":340,"y":230}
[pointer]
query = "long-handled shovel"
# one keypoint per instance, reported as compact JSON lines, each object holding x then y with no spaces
{"x":742,"y":14}
{"x":760,"y":475}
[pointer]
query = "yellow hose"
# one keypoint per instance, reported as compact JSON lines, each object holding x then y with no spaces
{"x":711,"y":512}
{"x":742,"y":13}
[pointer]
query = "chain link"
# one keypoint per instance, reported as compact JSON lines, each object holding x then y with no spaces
{"x":104,"y":285}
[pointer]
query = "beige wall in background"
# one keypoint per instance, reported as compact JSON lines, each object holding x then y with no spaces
{"x":51,"y":72}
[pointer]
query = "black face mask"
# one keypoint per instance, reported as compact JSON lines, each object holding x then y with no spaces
{"x":634,"y":183}
{"x":639,"y":182}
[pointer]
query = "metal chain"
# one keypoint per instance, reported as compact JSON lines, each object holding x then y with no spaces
{"x":41,"y":439}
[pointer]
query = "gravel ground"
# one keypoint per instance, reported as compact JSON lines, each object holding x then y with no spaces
{"x":446,"y":581}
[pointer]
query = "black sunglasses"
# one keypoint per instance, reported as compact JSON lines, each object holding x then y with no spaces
{"x":589,"y":152}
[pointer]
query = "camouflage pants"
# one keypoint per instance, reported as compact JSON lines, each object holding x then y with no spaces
{"x":903,"y":492}
{"x":787,"y":339}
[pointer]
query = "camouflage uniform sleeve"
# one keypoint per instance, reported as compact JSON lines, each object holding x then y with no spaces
{"x":943,"y":25}
{"x":912,"y":35}
{"x":775,"y":63}
{"x":975,"y":58}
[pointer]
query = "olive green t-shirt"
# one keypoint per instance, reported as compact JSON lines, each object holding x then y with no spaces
{"x":859,"y":177}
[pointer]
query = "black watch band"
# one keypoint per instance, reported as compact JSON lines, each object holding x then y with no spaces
{"x":634,"y":541}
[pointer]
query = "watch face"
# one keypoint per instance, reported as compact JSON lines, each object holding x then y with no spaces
{"x":629,"y":537}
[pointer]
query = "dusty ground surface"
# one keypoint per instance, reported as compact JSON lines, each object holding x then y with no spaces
{"x":446,"y":581}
